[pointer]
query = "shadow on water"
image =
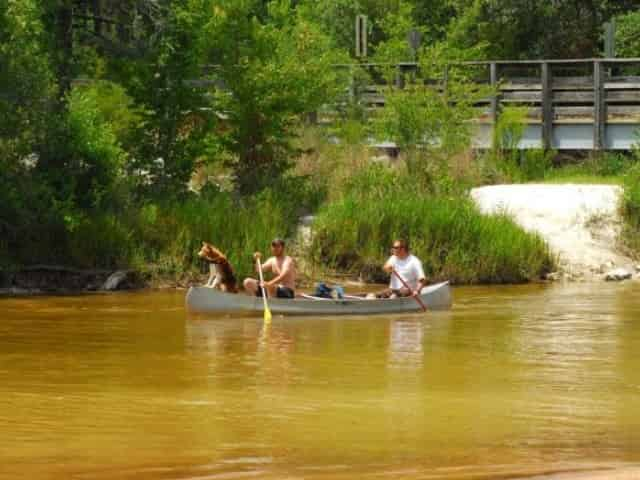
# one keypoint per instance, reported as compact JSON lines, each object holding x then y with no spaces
{"x":514,"y":381}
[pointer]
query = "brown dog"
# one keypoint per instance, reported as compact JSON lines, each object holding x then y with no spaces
{"x":221,"y":274}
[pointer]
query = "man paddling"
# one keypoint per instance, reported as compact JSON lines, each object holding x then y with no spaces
{"x":408,"y":267}
{"x":283,"y":284}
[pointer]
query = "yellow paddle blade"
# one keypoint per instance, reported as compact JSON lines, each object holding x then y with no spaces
{"x":267,"y":315}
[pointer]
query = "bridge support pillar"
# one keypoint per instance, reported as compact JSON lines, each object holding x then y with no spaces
{"x":547,"y":106}
{"x":599,"y":107}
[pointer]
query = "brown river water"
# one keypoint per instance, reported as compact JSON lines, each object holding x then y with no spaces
{"x":512,"y":382}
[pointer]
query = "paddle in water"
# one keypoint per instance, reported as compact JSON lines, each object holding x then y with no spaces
{"x":406,"y":285}
{"x":267,"y":312}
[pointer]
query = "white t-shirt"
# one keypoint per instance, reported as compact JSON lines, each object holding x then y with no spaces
{"x":410,"y":269}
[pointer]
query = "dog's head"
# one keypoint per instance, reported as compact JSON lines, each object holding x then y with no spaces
{"x":211,"y":253}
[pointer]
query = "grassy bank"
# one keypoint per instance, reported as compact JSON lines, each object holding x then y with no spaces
{"x":161,"y":239}
{"x":448,"y":233}
{"x":631,"y":211}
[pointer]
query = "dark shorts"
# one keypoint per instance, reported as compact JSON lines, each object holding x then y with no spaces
{"x":403,"y":292}
{"x":281,"y":292}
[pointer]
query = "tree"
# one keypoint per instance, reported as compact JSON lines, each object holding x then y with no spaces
{"x":628,"y":35}
{"x":520,"y":29}
{"x":429,"y":121}
{"x":272,"y":71}
{"x":176,"y":114}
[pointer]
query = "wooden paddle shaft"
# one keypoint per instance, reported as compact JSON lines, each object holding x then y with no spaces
{"x":406,"y":285}
{"x":264,"y":293}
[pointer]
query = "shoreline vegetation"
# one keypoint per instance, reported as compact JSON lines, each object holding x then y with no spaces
{"x":133,"y":164}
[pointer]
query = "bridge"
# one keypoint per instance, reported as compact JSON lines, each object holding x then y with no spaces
{"x":575,"y":104}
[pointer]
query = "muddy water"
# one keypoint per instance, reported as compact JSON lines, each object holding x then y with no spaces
{"x":514,"y":381}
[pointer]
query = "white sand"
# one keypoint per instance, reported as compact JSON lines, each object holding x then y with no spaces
{"x":581,"y":223}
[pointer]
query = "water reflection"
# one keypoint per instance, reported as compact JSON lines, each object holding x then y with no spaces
{"x":406,"y":350}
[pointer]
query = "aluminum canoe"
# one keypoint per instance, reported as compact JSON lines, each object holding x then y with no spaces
{"x":204,"y":299}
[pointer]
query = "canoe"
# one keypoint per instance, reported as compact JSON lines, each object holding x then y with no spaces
{"x":204,"y":299}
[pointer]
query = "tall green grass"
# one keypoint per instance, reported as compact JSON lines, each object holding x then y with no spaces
{"x":631,"y":210}
{"x":453,"y":239}
{"x":162,"y":238}
{"x":169,"y":237}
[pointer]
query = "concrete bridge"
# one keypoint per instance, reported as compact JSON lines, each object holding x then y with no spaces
{"x":577,"y":104}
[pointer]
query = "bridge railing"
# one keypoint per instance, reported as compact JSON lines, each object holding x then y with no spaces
{"x":571,"y":104}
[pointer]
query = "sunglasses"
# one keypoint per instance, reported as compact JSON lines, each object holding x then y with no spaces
{"x":396,"y":247}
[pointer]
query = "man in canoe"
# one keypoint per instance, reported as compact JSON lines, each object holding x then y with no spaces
{"x":283,"y":284}
{"x":402,"y":265}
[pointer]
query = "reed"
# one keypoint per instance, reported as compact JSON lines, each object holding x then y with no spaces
{"x":162,"y":239}
{"x":454,"y":240}
{"x":170,"y":236}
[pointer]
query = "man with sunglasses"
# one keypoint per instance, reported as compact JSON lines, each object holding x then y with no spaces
{"x":408,"y":267}
{"x":283,"y":284}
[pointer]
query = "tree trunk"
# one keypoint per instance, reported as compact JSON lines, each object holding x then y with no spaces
{"x":64,"y":44}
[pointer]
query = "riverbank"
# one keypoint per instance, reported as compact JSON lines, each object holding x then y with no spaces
{"x":55,"y":279}
{"x":359,"y":207}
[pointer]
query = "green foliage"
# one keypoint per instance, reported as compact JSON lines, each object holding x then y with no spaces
{"x":26,"y":98}
{"x":176,"y":118}
{"x":506,"y":162}
{"x":510,"y":128}
{"x":631,"y":210}
{"x":83,"y":159}
{"x":26,"y":81}
{"x":452,"y":238}
{"x":605,"y":167}
{"x":171,"y":235}
{"x":429,"y":126}
{"x":395,"y":26}
{"x":519,"y":29}
{"x":270,"y":82}
{"x":628,"y":35}
{"x":115,"y":109}
{"x":632,"y":194}
{"x":336,"y":18}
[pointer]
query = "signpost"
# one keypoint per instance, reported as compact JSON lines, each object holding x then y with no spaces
{"x":361,"y":36}
{"x":610,"y":39}
{"x":414,"y":37}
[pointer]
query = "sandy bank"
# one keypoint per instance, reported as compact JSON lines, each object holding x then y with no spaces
{"x":581,"y":223}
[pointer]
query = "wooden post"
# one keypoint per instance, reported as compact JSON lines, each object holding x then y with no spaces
{"x":352,"y":85}
{"x":399,"y":77}
{"x":493,"y":113}
{"x":64,"y":47}
{"x":599,"y":107}
{"x":547,"y":106}
{"x":493,"y":74}
{"x":445,"y":83}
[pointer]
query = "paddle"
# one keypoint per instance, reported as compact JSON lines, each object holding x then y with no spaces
{"x":417,"y":297}
{"x":267,"y":312}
